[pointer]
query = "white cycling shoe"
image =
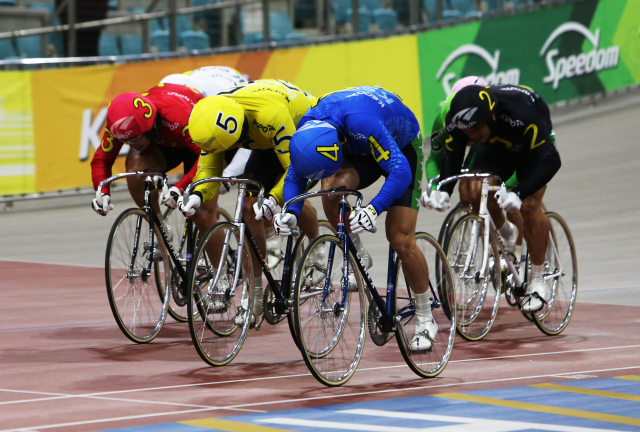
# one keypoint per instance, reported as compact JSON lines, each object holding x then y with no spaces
{"x":426,"y":330}
{"x":219,"y":303}
{"x":315,"y":269}
{"x":257,"y":310}
{"x":535,"y":296}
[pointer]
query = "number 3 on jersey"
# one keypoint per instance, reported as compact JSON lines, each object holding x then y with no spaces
{"x":375,"y":146}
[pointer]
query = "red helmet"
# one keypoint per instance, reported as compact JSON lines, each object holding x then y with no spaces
{"x":130,"y":115}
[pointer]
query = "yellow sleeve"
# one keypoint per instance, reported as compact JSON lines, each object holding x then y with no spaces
{"x":281,"y":135}
{"x":209,"y":165}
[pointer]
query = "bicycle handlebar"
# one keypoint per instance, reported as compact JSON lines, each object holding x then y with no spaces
{"x":469,"y":175}
{"x":341,"y":191}
{"x":138,"y":174}
{"x":230,"y":180}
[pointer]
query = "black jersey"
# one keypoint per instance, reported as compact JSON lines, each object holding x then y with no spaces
{"x":522,"y":125}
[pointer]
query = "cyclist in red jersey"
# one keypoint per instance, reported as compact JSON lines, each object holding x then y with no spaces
{"x":155,"y":127}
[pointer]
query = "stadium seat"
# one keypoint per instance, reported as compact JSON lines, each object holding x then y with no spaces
{"x":281,"y":24}
{"x":305,"y":10}
{"x":463,"y":6}
{"x":112,"y":5}
{"x":6,"y":49}
{"x":296,"y":37}
{"x":108,"y":45}
{"x":370,"y":4}
{"x":160,"y":40}
{"x":340,"y":10}
{"x":194,"y":40}
{"x":200,"y":15}
{"x":38,"y":5}
{"x":449,"y":14}
{"x":131,"y":44}
{"x":55,"y":38}
{"x":364,"y":19}
{"x":29,"y":46}
{"x":386,"y":19}
{"x":7,"y":3}
{"x":183,"y":24}
{"x":254,"y":38}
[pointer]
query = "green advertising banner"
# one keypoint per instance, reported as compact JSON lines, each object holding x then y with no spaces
{"x":562,"y":52}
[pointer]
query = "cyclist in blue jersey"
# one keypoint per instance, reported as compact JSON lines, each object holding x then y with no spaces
{"x":350,"y":138}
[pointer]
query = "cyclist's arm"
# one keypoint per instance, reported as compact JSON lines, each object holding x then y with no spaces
{"x":294,"y":185}
{"x":237,"y":164}
{"x":209,"y":165}
{"x":452,"y":160}
{"x":437,"y":141}
{"x":283,"y":129}
{"x":103,"y":160}
{"x":387,"y":154}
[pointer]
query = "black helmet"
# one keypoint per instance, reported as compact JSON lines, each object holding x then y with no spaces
{"x":471,"y":106}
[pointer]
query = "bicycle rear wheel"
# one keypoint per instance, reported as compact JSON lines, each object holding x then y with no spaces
{"x":477,"y":292}
{"x":432,"y":362}
{"x":329,"y":322}
{"x":137,"y":276}
{"x":217,"y":301}
{"x":561,"y":267}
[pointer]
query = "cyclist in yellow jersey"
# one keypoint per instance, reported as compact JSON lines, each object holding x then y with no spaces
{"x":262,"y":116}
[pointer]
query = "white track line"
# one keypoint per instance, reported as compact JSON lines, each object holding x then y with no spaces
{"x":245,"y":380}
{"x":232,"y":407}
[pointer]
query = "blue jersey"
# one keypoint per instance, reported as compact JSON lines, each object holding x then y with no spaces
{"x":374,"y":122}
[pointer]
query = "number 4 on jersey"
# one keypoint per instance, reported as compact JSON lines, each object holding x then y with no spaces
{"x":375,"y":146}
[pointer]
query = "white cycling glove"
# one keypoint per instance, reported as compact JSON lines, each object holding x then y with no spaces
{"x":284,"y":224}
{"x":224,"y":187}
{"x":189,"y":209}
{"x":510,"y":202}
{"x":101,"y":204}
{"x":170,"y":197}
{"x":363,"y":219}
{"x":437,"y":201}
{"x":267,"y":210}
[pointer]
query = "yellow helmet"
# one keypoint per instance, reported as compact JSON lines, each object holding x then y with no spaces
{"x":216,"y":123}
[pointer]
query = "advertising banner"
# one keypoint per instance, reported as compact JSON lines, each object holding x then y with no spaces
{"x":52,"y":120}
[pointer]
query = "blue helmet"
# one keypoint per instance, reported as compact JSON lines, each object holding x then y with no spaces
{"x":315,"y":150}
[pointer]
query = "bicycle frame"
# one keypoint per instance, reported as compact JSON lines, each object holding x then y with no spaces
{"x":153,"y":179}
{"x":280,"y":294}
{"x":386,"y":306}
{"x":491,"y":228}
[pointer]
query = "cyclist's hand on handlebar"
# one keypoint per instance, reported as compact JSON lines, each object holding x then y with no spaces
{"x":224,"y":187}
{"x":170,"y":197}
{"x":284,"y":223}
{"x":189,"y":209}
{"x":437,"y":201}
{"x":363,"y":219}
{"x":267,"y":210}
{"x":510,"y":202}
{"x":101,"y":204}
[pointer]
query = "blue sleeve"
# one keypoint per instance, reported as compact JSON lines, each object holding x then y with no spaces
{"x":294,"y":185}
{"x":388,"y":155}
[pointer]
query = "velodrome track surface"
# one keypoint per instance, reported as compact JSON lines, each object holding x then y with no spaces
{"x":66,"y":366}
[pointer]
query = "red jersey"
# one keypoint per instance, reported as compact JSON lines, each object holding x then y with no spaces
{"x":174,"y":104}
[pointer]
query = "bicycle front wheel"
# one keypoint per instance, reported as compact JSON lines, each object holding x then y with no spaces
{"x":220,"y":293}
{"x":561,"y":274}
{"x":429,"y":363}
{"x":137,"y":276}
{"x":329,"y":322}
{"x":477,"y":289}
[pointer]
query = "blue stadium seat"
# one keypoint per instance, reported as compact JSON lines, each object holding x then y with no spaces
{"x":131,"y":44}
{"x":364,"y":19}
{"x":7,"y":3}
{"x":370,"y":4}
{"x":108,"y":45}
{"x":194,"y":40}
{"x":55,"y":38}
{"x":296,"y":37}
{"x":254,"y":38}
{"x":386,"y":19}
{"x":200,"y":15}
{"x":29,"y":46}
{"x":113,"y":5}
{"x":6,"y":49}
{"x":448,"y":14}
{"x":183,"y":23}
{"x":160,"y":40}
{"x":37,"y":5}
{"x":431,"y":7}
{"x":463,"y":6}
{"x":305,"y":10}
{"x":340,"y":10}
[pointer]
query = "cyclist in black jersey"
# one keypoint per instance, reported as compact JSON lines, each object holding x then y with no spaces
{"x":513,"y":125}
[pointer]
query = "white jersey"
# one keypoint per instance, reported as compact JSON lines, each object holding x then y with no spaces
{"x":209,"y":80}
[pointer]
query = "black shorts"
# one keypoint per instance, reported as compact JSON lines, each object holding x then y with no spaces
{"x":369,"y":172}
{"x":505,"y":163}
{"x":175,"y":156}
{"x":264,"y":166}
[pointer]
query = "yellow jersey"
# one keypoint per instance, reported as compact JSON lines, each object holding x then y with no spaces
{"x":272,"y":110}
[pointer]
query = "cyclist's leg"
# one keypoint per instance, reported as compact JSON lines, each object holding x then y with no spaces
{"x":151,"y":158}
{"x":347,"y":176}
{"x":309,"y":220}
